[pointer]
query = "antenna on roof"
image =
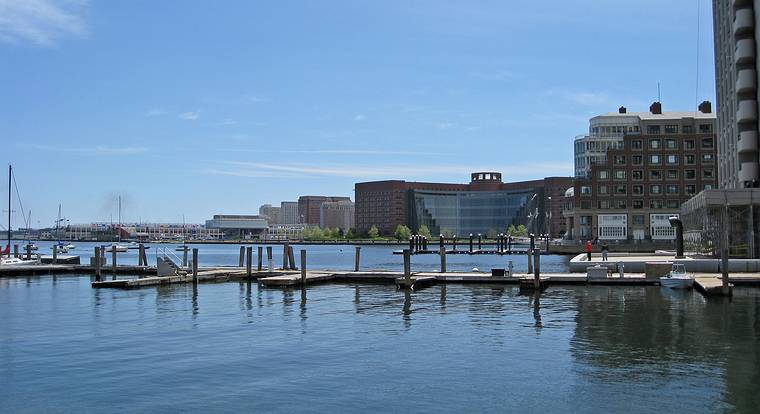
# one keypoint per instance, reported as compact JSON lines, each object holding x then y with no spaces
{"x":658,"y":92}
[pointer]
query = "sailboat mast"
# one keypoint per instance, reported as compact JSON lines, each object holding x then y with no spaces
{"x":119,"y":224}
{"x":10,"y":173}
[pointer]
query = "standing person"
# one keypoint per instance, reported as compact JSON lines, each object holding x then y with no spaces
{"x":589,"y":249}
{"x":605,"y":250}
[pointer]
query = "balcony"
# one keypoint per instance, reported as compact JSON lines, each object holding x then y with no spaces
{"x":746,"y":81}
{"x":749,"y":172}
{"x":744,"y":22}
{"x":747,"y":142}
{"x":747,"y":111}
{"x":745,"y":51}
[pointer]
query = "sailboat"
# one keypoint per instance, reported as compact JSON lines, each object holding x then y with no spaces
{"x":119,"y":246}
{"x":59,"y":247}
{"x":12,"y":261}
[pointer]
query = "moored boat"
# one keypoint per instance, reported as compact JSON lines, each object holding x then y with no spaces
{"x":677,"y":278}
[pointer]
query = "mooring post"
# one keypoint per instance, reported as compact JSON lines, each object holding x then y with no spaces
{"x":411,"y":243}
{"x":184,"y":255}
{"x":55,"y":253}
{"x":479,"y":241}
{"x":530,"y":261}
{"x":303,"y":267}
{"x":195,"y":265}
{"x":537,"y":270}
{"x":532,"y":241}
{"x":408,"y":267}
{"x":454,"y":243}
{"x":15,"y":251}
{"x":285,"y":257}
{"x":441,"y":240}
{"x":270,"y":261}
{"x":357,"y":256}
{"x":28,"y":251}
{"x":248,"y":261}
{"x":509,"y":244}
{"x":442,"y":252}
{"x":98,"y":263}
{"x":470,"y":242}
{"x":113,"y":261}
{"x":259,"y":254}
{"x":241,"y":256}
{"x":292,"y":258}
{"x":140,"y":260}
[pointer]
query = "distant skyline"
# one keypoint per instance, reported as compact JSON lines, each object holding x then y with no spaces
{"x":201,"y":108}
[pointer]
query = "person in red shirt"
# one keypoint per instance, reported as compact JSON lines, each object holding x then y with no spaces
{"x":589,"y":249}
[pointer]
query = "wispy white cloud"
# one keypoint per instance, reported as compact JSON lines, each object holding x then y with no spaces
{"x":41,"y":22}
{"x":586,"y":98}
{"x":96,"y":150}
{"x":363,"y":171}
{"x":359,"y":117}
{"x":190,"y":116}
{"x":155,"y":111}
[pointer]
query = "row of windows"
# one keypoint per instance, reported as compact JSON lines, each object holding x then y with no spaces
{"x":672,"y":143}
{"x":657,"y":159}
{"x":637,"y":204}
{"x":707,"y":174}
{"x":636,"y":189}
{"x":673,"y":129}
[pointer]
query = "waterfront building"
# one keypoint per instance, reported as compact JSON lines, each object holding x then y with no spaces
{"x":667,"y":158}
{"x":605,"y":132}
{"x":272,"y":214}
{"x":289,"y":212}
{"x":135,"y":231}
{"x":338,"y":214}
{"x":308,"y":208}
{"x":485,"y":205}
{"x":239,"y":225}
{"x":285,"y":232}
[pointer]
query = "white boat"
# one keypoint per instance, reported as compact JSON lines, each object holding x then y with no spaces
{"x":70,"y":246}
{"x":59,"y":248}
{"x":677,"y":278}
{"x":13,"y":261}
{"x":120,"y":248}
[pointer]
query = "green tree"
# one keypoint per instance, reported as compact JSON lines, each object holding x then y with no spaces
{"x":424,"y":231}
{"x":315,"y":233}
{"x":447,"y":233}
{"x":522,"y":231}
{"x":351,"y":233}
{"x":511,"y":230}
{"x":373,"y":232}
{"x":402,"y":232}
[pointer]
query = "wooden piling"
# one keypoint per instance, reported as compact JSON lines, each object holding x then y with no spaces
{"x":15,"y":251}
{"x":480,"y":237}
{"x":357,"y":257}
{"x":141,"y":259}
{"x":259,"y":251}
{"x":530,"y":261}
{"x":248,"y":261}
{"x":408,"y":267}
{"x":292,"y":258}
{"x":537,"y":270}
{"x":270,"y":261}
{"x":55,"y":253}
{"x":470,"y":242}
{"x":28,"y":251}
{"x":303,"y":267}
{"x":113,"y":261}
{"x":195,"y":265}
{"x":285,"y":256}
{"x":242,"y":255}
{"x":184,"y":255}
{"x":98,"y":263}
{"x":442,"y":252}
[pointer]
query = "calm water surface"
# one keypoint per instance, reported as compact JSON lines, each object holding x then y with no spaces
{"x":233,"y":347}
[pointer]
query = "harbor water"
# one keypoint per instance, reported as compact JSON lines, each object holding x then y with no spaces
{"x":236,"y":347}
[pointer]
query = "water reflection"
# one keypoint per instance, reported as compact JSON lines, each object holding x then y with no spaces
{"x":407,"y":310}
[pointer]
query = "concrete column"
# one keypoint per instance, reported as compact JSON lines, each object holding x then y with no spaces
{"x":195,"y":265}
{"x":442,"y":252}
{"x":260,"y":258}
{"x":357,"y":257}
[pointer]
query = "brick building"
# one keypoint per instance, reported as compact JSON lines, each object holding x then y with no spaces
{"x":309,"y":208}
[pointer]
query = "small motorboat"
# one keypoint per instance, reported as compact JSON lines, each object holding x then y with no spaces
{"x":677,"y":278}
{"x":13,"y":261}
{"x":59,"y":248}
{"x":70,"y":246}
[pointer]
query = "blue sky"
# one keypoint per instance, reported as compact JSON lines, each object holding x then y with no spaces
{"x":195,"y":108}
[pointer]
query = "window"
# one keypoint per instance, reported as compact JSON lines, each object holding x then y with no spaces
{"x":655,"y":175}
{"x":707,"y":143}
{"x":688,"y":144}
{"x":619,"y":159}
{"x":637,"y":174}
{"x":671,"y":129}
{"x":655,"y":204}
{"x":604,"y":204}
{"x":637,"y":159}
{"x":585,"y":190}
{"x":620,"y":174}
{"x":604,"y":174}
{"x":654,"y":159}
{"x":691,"y":189}
{"x":673,"y":204}
{"x":708,"y":186}
{"x":621,"y":189}
{"x":671,"y":189}
{"x":637,"y":144}
{"x":653,"y":129}
{"x":705,"y":128}
{"x":672,"y":159}
{"x":638,"y":204}
{"x":687,"y":129}
{"x":690,"y":174}
{"x":585,"y":204}
{"x":671,"y":144}
{"x":603,"y":189}
{"x":707,"y":158}
{"x":707,"y":174}
{"x":690,"y":159}
{"x":620,"y":204}
{"x":655,"y":189}
{"x":585,"y":219}
{"x":654,"y":143}
{"x":637,"y":189}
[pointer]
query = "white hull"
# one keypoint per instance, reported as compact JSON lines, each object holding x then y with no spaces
{"x":17,"y":262}
{"x":676,"y":282}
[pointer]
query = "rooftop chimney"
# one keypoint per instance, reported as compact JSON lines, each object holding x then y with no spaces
{"x":656,"y":108}
{"x":622,"y":110}
{"x":705,"y":107}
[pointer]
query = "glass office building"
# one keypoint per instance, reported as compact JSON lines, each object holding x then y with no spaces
{"x":473,"y":212}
